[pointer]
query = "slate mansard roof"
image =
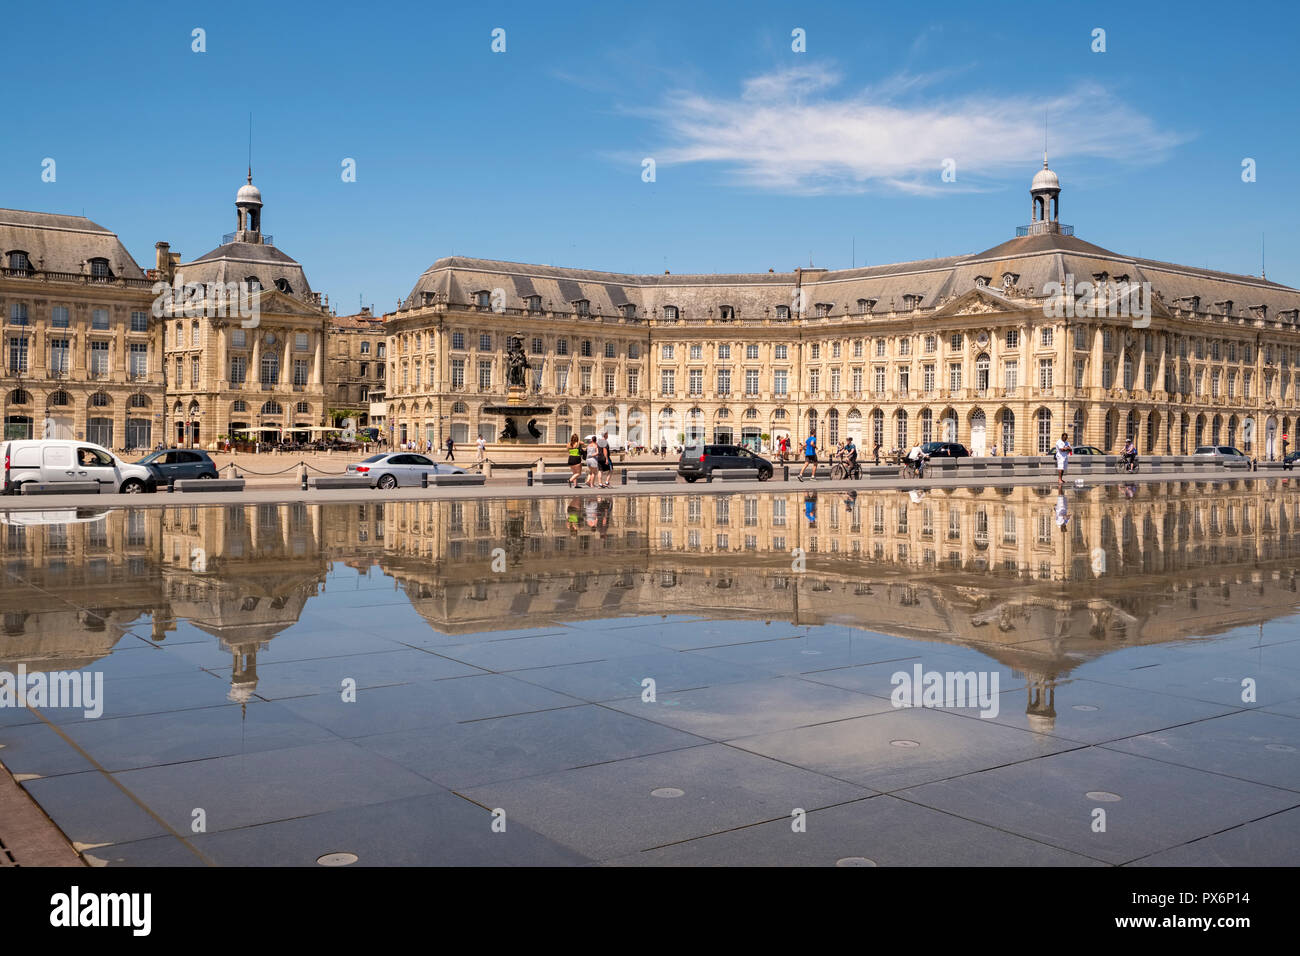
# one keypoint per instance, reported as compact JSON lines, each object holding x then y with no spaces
{"x":1033,"y":261}
{"x":56,"y":243}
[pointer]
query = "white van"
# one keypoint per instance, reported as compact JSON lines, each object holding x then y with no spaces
{"x":53,"y":460}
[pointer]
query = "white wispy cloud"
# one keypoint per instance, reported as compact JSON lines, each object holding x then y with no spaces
{"x":797,"y":130}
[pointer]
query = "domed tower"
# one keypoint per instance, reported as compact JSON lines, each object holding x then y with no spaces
{"x":1045,"y":192}
{"x":248,"y":207}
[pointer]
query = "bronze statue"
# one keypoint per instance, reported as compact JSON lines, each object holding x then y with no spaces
{"x":516,"y":363}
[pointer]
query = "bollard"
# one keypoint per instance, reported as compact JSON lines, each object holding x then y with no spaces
{"x":171,"y":486}
{"x":304,"y":479}
{"x":424,"y":479}
{"x":623,"y":479}
{"x":528,"y":477}
{"x":785,"y":472}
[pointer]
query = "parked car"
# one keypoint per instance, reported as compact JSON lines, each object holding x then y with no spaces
{"x":700,"y":461}
{"x":53,"y":460}
{"x":400,"y":469}
{"x":1087,"y":450}
{"x":1223,"y":453}
{"x":1288,"y":463}
{"x":945,"y":449}
{"x":175,"y":463}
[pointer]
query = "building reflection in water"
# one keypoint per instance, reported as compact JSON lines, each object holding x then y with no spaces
{"x":1038,"y":581}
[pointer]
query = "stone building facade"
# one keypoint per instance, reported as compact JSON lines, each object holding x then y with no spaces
{"x":1007,"y":348}
{"x":82,"y":349}
{"x":356,"y":366}
{"x":248,"y":358}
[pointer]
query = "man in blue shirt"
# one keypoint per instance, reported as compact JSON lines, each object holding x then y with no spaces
{"x":809,"y":455}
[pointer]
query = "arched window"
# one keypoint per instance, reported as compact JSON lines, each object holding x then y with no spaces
{"x":303,"y":408}
{"x":240,"y":407}
{"x":138,"y":400}
{"x":60,"y":399}
{"x":20,"y":397}
{"x":1044,"y":419}
{"x":1008,"y":432}
{"x":272,"y":408}
{"x":283,"y":286}
{"x":100,"y":400}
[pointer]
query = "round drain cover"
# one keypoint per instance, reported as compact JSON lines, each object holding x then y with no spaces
{"x":667,"y":792}
{"x":855,"y":861}
{"x":337,"y":859}
{"x":903,"y":743}
{"x":1103,"y":796}
{"x":1084,"y":707}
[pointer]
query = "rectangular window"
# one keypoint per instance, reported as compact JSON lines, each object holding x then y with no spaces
{"x":484,"y":376}
{"x":585,"y":379}
{"x":458,"y":373}
{"x":905,"y":347}
{"x":18,"y":354}
{"x":927,"y":379}
{"x":856,"y":381}
{"x":697,"y":352}
{"x":1013,"y":338}
{"x":99,"y":319}
{"x":1045,"y":335}
{"x":484,"y":342}
{"x":666,"y":353}
{"x":751,"y":381}
{"x":609,"y":382}
{"x":954,"y":376}
{"x":300,"y":372}
{"x":667,"y":381}
{"x":724,"y":381}
{"x":365,"y":348}
{"x":238,"y":368}
{"x":878,"y":377}
{"x":59,"y":317}
{"x":98,"y":359}
{"x":139,"y":322}
{"x":1080,"y":337}
{"x":562,"y":378}
{"x":561,"y":346}
{"x":696,"y":381}
{"x":781,"y":352}
{"x":633,"y":382}
{"x":751,"y":352}
{"x":58,"y":357}
{"x":779,"y":382}
{"x":300,"y":341}
{"x":724,"y":351}
{"x":904,"y":380}
{"x":1045,"y":374}
{"x":194,"y":371}
{"x":458,"y":340}
{"x":1011,"y":375}
{"x":1078,"y":373}
{"x":815,"y":381}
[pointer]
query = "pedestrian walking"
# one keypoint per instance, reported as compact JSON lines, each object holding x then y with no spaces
{"x":603,"y":463}
{"x":1063,"y":453}
{"x":451,"y":450}
{"x":575,"y":460}
{"x":593,"y":461}
{"x":875,"y":452}
{"x":482,"y":449}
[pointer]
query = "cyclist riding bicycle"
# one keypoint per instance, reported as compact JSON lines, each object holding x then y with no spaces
{"x":848,"y":462}
{"x":1130,"y":455}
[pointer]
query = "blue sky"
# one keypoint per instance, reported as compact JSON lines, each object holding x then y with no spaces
{"x":764,"y":157}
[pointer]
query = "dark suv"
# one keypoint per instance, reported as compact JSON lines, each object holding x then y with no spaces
{"x":945,"y":449}
{"x":700,"y":461}
{"x":177,"y":463}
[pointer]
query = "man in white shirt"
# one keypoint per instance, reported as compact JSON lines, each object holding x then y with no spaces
{"x":1063,"y":453}
{"x":482,"y":449}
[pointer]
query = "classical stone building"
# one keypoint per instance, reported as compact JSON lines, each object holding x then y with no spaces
{"x":248,"y":357}
{"x":82,"y":350}
{"x":356,"y":365}
{"x":1005,"y":348}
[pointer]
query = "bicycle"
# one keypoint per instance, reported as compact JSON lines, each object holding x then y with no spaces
{"x":846,"y":470}
{"x":1130,"y":464}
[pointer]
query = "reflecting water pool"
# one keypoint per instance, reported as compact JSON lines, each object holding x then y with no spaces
{"x":965,"y":676}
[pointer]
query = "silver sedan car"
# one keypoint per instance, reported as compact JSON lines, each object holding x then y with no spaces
{"x":400,"y":469}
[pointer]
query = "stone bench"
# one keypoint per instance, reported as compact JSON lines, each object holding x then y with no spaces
{"x":338,"y":481}
{"x":187,"y":485}
{"x":61,"y":488}
{"x":445,"y":481}
{"x":557,"y":478}
{"x":734,"y":474}
{"x":640,"y":476}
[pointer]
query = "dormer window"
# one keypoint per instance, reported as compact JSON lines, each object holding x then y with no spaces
{"x":726,"y":312}
{"x":783,"y":312}
{"x":670,"y":313}
{"x":1259,"y":311}
{"x":253,"y":283}
{"x":1009,"y":279}
{"x":824,"y":308}
{"x":582,"y":306}
{"x":1191,"y":303}
{"x":865,"y":306}
{"x":1289,"y":316}
{"x":283,"y":286}
{"x":19,"y":262}
{"x":99,"y":269}
{"x":629,"y":310}
{"x":1224,"y":307}
{"x":912,"y":300}
{"x":483,"y":299}
{"x":982,"y":282}
{"x":534,"y":303}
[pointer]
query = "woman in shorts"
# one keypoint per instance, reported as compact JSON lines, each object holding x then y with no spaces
{"x":575,"y":461}
{"x":593,"y":461}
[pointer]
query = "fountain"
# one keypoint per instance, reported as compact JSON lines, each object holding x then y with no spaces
{"x":520,"y":425}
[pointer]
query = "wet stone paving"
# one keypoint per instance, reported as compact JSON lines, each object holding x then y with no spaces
{"x":992,"y":676}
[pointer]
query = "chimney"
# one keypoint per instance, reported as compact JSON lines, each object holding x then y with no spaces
{"x":163,"y":258}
